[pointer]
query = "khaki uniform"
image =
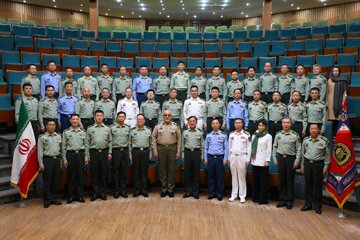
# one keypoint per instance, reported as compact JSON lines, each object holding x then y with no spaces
{"x":317,"y":113}
{"x":319,"y":82}
{"x":105,"y":81}
{"x":250,"y":85}
{"x":268,"y":85}
{"x":276,"y":112}
{"x":109,"y":109}
{"x":286,"y":85}
{"x":35,"y":83}
{"x":302,"y":85}
{"x":91,"y":83}
{"x":257,"y":111}
{"x":152,"y":112}
{"x":201,"y":84}
{"x":62,"y":86}
{"x":162,"y":87}
{"x":216,"y":82}
{"x":176,"y":108}
{"x":231,"y":86}
{"x":181,"y":82}
{"x":298,"y":115}
{"x":85,"y":108}
{"x":214,"y":109}
{"x":119,"y":86}
{"x":48,"y":110}
{"x":32,"y":109}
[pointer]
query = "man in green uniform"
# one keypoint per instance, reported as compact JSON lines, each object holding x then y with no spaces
{"x":286,"y":156}
{"x":192,"y":146}
{"x":85,"y":108}
{"x":90,"y":82}
{"x":175,"y":106}
{"x":301,"y":82}
{"x":316,"y":111}
{"x":120,"y":157}
{"x":216,"y":81}
{"x":257,"y":110}
{"x":69,"y":78}
{"x":268,"y":83}
{"x":105,"y":80}
{"x":215,"y":108}
{"x":166,"y":145}
{"x":151,"y":110}
{"x":140,"y":154}
{"x":286,"y":84}
{"x":276,"y":112}
{"x":33,"y":80}
{"x":200,"y":81}
{"x":49,"y":157}
{"x":31,"y":105}
{"x":162,"y":86}
{"x":317,"y":81}
{"x":48,"y":108}
{"x":107,"y":106}
{"x":99,"y":152}
{"x":120,"y":84}
{"x":297,"y":114}
{"x":73,"y":153}
{"x":251,"y":83}
{"x":235,"y":83}
{"x":181,"y":82}
{"x":315,"y":161}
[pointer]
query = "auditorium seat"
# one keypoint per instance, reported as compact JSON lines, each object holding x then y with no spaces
{"x":303,"y":33}
{"x":353,"y":30}
{"x":320,"y":32}
{"x":195,"y":50}
{"x":80,"y":47}
{"x":61,"y":46}
{"x":263,"y":60}
{"x":6,"y":111}
{"x":130,"y":49}
{"x":110,"y":61}
{"x":271,"y":35}
{"x":71,"y":33}
{"x":158,"y":62}
{"x":227,"y":49}
{"x":163,"y":49}
{"x":195,"y":37}
{"x":31,"y":58}
{"x":127,"y":62}
{"x":346,"y":62}
{"x":72,"y":61}
{"x":5,"y":28}
{"x":44,"y":45}
{"x":104,"y":36}
{"x":24,"y":44}
{"x":7,"y":43}
{"x":54,"y":33}
{"x":261,"y":49}
{"x":38,"y":32}
{"x":307,"y":61}
{"x":91,"y":61}
{"x":313,"y":46}
{"x":14,"y":80}
{"x":11,"y":60}
{"x":134,"y":36}
{"x":224,"y":36}
{"x":113,"y":49}
{"x":248,"y":62}
{"x":3,"y":84}
{"x":337,"y":30}
{"x":97,"y":48}
{"x":210,"y":37}
{"x":119,"y":36}
{"x":210,"y":63}
{"x":179,"y":37}
{"x":147,"y":49}
{"x":174,"y":62}
{"x":287,"y":34}
{"x":87,"y":34}
{"x":333,"y":46}
{"x":19,"y":30}
{"x":153,"y":28}
{"x":326,"y":62}
{"x":296,"y":47}
{"x":150,"y":36}
{"x":179,"y":49}
{"x":355,"y":79}
{"x":289,"y":60}
{"x":240,"y":36}
{"x":244,"y":49}
{"x":139,"y":61}
{"x":352,"y":45}
{"x":192,"y":63}
{"x":164,"y":36}
{"x":229,"y":64}
{"x":255,"y":35}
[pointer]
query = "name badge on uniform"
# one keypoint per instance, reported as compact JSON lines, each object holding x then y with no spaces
{"x":58,"y":138}
{"x":133,"y":104}
{"x":319,"y":145}
{"x":292,"y":138}
{"x":221,"y":138}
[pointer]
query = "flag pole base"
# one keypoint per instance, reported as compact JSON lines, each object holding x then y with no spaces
{"x":342,"y":215}
{"x":21,"y":204}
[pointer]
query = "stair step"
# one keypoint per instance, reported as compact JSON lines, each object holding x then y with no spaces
{"x":9,"y":192}
{"x":4,"y":156}
{"x":8,"y":137}
{"x":5,"y":166}
{"x":4,"y":180}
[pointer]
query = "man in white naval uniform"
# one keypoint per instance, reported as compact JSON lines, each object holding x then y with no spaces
{"x":239,"y":157}
{"x":194,"y":106}
{"x":130,"y":107}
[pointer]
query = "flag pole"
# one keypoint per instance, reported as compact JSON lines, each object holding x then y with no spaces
{"x":342,"y":215}
{"x":21,"y":204}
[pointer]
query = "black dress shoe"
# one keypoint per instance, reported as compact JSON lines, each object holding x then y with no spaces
{"x":220,"y":198}
{"x":289,"y":205}
{"x":124,"y":195}
{"x":80,"y":199}
{"x":163,"y":194}
{"x":280,"y":204}
{"x":171,"y":194}
{"x":318,"y":210}
{"x":255,"y":200}
{"x":93,"y":197}
{"x":56,"y":202}
{"x":116,"y":195}
{"x":305,"y":208}
{"x":136,"y":194}
{"x":70,"y":200}
{"x":211,"y":197}
{"x":46,"y":205}
{"x":263,"y":202}
{"x":103,"y":197}
{"x":145,"y":194}
{"x":196,"y":196}
{"x":187,"y":195}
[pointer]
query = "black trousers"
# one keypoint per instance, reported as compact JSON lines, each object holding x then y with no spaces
{"x":285,"y":98}
{"x":273,"y":128}
{"x":51,"y":177}
{"x":252,"y":127}
{"x":202,"y":96}
{"x":297,"y":127}
{"x":182,"y":95}
{"x":64,"y":122}
{"x":140,"y":160}
{"x":151,"y":123}
{"x":313,"y":173}
{"x":248,"y":98}
{"x":76,"y":173}
{"x":108,"y":121}
{"x":209,"y":121}
{"x":286,"y":175}
{"x":93,"y":97}
{"x":118,"y":97}
{"x":192,"y":160}
{"x":177,"y":121}
{"x":161,"y":98}
{"x":267,"y":97}
{"x":260,"y":184}
{"x":99,"y":170}
{"x":86,"y":122}
{"x":120,"y":160}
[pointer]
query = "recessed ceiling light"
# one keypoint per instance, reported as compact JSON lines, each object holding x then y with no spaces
{"x":222,"y":8}
{"x":160,"y":13}
{"x":81,"y":5}
{"x":298,"y":8}
{"x":221,"y":16}
{"x":247,"y":16}
{"x":54,"y":0}
{"x":24,"y":1}
{"x":118,"y":0}
{"x":106,"y":14}
{"x":143,"y":9}
{"x":163,"y":9}
{"x":132,"y":13}
{"x":213,"y":13}
{"x":168,"y":16}
{"x":108,"y":9}
{"x":80,"y":10}
{"x":141,"y":4}
{"x":121,"y":4}
{"x":181,"y":1}
{"x":247,"y":4}
{"x":292,"y":4}
{"x":325,"y":4}
{"x":161,"y":1}
{"x":242,"y":13}
{"x":195,"y":16}
{"x":187,"y":13}
{"x":54,"y":6}
{"x":139,"y":16}
{"x":183,"y":4}
{"x":183,"y":8}
{"x":202,"y":8}
{"x":122,"y":16}
{"x":162,"y":5}
{"x":322,"y":0}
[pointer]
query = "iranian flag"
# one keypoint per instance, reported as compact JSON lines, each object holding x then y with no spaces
{"x":25,"y":166}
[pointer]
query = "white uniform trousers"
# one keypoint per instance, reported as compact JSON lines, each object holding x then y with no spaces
{"x":238,"y":175}
{"x":131,"y":122}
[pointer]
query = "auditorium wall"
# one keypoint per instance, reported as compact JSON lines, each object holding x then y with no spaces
{"x":43,"y":15}
{"x":331,"y":13}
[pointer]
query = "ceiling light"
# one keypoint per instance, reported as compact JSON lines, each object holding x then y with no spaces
{"x":183,"y":4}
{"x":54,"y":0}
{"x":80,"y":10}
{"x":322,"y":0}
{"x":118,"y":0}
{"x":141,"y":4}
{"x":168,"y":16}
{"x":54,"y":6}
{"x":181,"y":1}
{"x":162,"y":5}
{"x":187,"y":13}
{"x":160,"y":13}
{"x":163,"y":9}
{"x":24,"y":1}
{"x":213,"y":13}
{"x":292,"y":4}
{"x":195,"y":16}
{"x":202,"y":8}
{"x":139,"y":16}
{"x":121,"y":4}
{"x":106,"y":14}
{"x":161,"y":1}
{"x":122,"y":16}
{"x":81,"y":5}
{"x":143,"y":9}
{"x":222,"y":8}
{"x":298,"y":8}
{"x":108,"y":9}
{"x":242,"y":13}
{"x":247,"y":4}
{"x":183,"y":8}
{"x":221,"y":16}
{"x":247,"y":16}
{"x":132,"y":13}
{"x":325,"y":4}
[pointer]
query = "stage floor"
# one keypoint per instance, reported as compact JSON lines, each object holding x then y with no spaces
{"x":177,"y":218}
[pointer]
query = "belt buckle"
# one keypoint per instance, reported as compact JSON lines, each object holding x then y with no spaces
{"x":215,"y":156}
{"x":77,"y":151}
{"x":141,"y":149}
{"x":150,"y":119}
{"x":100,"y":150}
{"x":311,"y":161}
{"x":192,"y":149}
{"x":275,"y":122}
{"x":54,"y":157}
{"x":121,"y":149}
{"x":284,"y":156}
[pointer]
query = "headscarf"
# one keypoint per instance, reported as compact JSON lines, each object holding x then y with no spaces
{"x":257,"y":135}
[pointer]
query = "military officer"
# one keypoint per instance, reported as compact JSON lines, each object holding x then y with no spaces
{"x":166,"y":145}
{"x":194,"y":106}
{"x":50,"y":78}
{"x":239,"y":159}
{"x":69,"y":78}
{"x":257,"y":111}
{"x":120,"y":157}
{"x":73,"y":153}
{"x":316,"y":111}
{"x":317,"y":81}
{"x":235,"y":83}
{"x":236,"y":109}
{"x":301,"y":82}
{"x":48,"y":108}
{"x":276,"y":112}
{"x":215,"y":108}
{"x":107,"y":106}
{"x":33,"y":80}
{"x":315,"y":161}
{"x":215,"y":157}
{"x":268,"y":83}
{"x":140,"y":154}
{"x":85,"y":108}
{"x":286,"y":84}
{"x":90,"y":82}
{"x":66,"y":108}
{"x":151,"y":110}
{"x":99,"y":152}
{"x":298,"y":114}
{"x":175,"y":106}
{"x":120,"y":84}
{"x":286,"y":156}
{"x":31,"y":105}
{"x":200,"y":81}
{"x":141,"y":84}
{"x":181,"y":82}
{"x":251,"y":83}
{"x":130,"y":107}
{"x":162,"y":86}
{"x":216,"y":81}
{"x":49,"y":157}
{"x":192,"y":145}
{"x":105,"y":80}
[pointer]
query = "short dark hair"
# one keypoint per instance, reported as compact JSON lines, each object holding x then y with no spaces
{"x":199,"y":67}
{"x":315,"y":89}
{"x":296,"y":91}
{"x":31,"y":64}
{"x":49,"y":86}
{"x":251,"y":67}
{"x":216,"y":66}
{"x":51,"y":120}
{"x":194,"y":86}
{"x":300,"y":65}
{"x":26,"y":85}
{"x":215,"y":88}
{"x":140,"y":115}
{"x":104,"y":64}
{"x":150,"y":90}
{"x":68,"y":69}
{"x":235,"y":71}
{"x":263,"y":121}
{"x":236,"y":89}
{"x":257,"y":90}
{"x":143,"y":66}
{"x":105,"y":88}
{"x":99,"y":111}
{"x":277,"y":92}
{"x":68,"y":83}
{"x":74,"y":115}
{"x":48,"y":63}
{"x":179,"y":62}
{"x":121,"y":112}
{"x":192,"y":117}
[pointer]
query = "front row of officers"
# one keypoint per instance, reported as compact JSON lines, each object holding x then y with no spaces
{"x":101,"y":145}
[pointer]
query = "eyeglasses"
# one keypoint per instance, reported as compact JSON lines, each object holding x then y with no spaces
{"x":167,"y":115}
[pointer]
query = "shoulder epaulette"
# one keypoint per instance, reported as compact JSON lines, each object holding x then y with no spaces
{"x":246,"y":132}
{"x":324,"y":138}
